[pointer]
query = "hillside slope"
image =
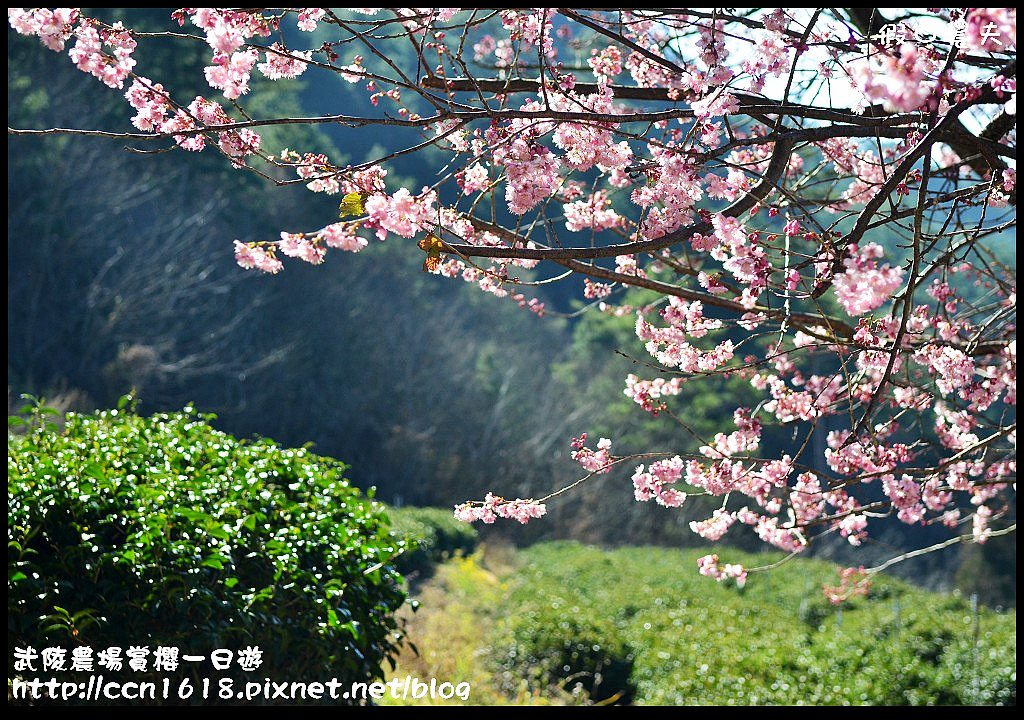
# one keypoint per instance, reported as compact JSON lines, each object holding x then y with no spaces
{"x":562,"y":622}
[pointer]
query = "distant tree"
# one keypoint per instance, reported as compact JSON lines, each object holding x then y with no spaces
{"x":812,"y":200}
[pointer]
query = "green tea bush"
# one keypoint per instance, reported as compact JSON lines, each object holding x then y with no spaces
{"x":547,"y":644}
{"x":130,"y":531}
{"x":691,"y":641}
{"x":986,"y":673}
{"x":432,"y":535}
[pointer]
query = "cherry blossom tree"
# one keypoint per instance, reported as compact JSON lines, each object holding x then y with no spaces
{"x":816,"y":200}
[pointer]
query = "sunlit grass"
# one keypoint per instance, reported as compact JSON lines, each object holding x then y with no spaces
{"x":452,"y":629}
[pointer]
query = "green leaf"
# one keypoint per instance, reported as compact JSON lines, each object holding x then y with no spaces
{"x":95,"y":471}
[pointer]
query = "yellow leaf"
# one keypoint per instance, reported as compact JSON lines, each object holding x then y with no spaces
{"x":352,"y":204}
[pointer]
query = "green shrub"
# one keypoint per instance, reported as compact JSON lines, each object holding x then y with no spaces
{"x":125,"y":531}
{"x":685,"y":639}
{"x":575,"y":649}
{"x":984,"y":673}
{"x":432,"y":535}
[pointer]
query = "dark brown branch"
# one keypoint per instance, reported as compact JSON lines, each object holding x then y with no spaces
{"x":867,"y":20}
{"x":875,"y":116}
{"x":898,"y":175}
{"x":619,"y":38}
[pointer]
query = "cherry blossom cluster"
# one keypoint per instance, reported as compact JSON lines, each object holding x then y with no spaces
{"x":744,"y":440}
{"x":987,"y":29}
{"x":853,"y":582}
{"x":709,"y":565}
{"x":648,"y":393}
{"x":714,"y":527}
{"x":900,"y":80}
{"x":593,"y":461}
{"x":593,"y":214}
{"x":494,"y":507}
{"x":53,"y":27}
{"x":656,"y":482}
{"x":104,"y":52}
{"x":864,"y":286}
{"x":671,"y":348}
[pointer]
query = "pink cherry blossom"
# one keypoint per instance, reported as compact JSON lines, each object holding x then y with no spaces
{"x":865,"y":285}
{"x":494,"y":507}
